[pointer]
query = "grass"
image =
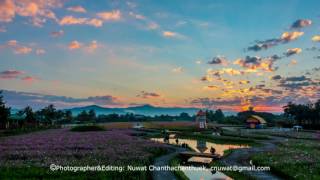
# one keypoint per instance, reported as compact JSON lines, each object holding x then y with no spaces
{"x":86,"y":128}
{"x":13,"y":132}
{"x":245,"y":135}
{"x":294,"y":159}
{"x":45,"y":173}
{"x":233,"y":174}
{"x":176,"y":161}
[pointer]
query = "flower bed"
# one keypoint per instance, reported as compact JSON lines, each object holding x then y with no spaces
{"x":63,"y":147}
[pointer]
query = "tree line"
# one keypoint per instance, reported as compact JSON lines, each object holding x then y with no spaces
{"x":306,"y":115}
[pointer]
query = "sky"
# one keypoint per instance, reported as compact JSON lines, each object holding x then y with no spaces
{"x":210,"y":54}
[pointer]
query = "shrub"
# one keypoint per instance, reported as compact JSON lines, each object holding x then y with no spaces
{"x":85,"y":128}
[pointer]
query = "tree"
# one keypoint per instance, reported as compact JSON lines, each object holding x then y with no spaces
{"x":68,"y":116}
{"x":304,"y":114}
{"x":219,"y":116}
{"x":184,"y":116}
{"x":92,"y":115}
{"x":49,"y":114}
{"x":4,"y":112}
{"x":29,"y":114}
{"x":83,"y":116}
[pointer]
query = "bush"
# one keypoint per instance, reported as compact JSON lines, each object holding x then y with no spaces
{"x":87,"y":128}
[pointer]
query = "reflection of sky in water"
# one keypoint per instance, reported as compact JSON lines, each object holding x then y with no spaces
{"x":204,"y":175}
{"x":205,"y":147}
{"x":193,"y":145}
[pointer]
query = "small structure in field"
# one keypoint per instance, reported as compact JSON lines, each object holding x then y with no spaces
{"x":201,"y":146}
{"x":201,"y":119}
{"x":137,"y":125}
{"x":256,"y":122}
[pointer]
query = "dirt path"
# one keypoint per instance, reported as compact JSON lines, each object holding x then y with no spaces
{"x":241,"y":157}
{"x":163,"y":161}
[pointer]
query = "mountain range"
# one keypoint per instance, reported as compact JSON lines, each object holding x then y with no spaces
{"x":147,"y":110}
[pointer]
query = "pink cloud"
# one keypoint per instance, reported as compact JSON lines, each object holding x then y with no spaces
{"x":18,"y":48}
{"x":92,"y":46}
{"x":70,"y":20}
{"x":38,"y":10}
{"x":74,"y":45}
{"x":10,"y":74}
{"x":29,"y":79}
{"x":78,"y":9}
{"x":114,"y":15}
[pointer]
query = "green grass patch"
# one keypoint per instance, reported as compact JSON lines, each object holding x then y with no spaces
{"x":294,"y":159}
{"x":19,"y":131}
{"x":245,"y":135}
{"x":86,"y":128}
{"x":233,"y":174}
{"x":176,"y":161}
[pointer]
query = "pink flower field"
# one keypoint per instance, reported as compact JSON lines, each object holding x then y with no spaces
{"x":63,"y":147}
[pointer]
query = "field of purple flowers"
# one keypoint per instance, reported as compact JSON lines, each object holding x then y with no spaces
{"x":63,"y":147}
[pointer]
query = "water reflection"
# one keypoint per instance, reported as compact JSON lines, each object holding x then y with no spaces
{"x":205,"y":175}
{"x":202,"y":146}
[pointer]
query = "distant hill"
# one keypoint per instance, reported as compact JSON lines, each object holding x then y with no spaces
{"x":147,"y":110}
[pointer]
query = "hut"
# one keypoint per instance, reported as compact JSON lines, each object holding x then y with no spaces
{"x":256,"y":122}
{"x":201,"y":119}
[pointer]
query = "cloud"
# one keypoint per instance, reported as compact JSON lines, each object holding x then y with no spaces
{"x":293,"y":51}
{"x":30,"y":79}
{"x":39,"y":11}
{"x":10,"y":74}
{"x":244,"y":82}
{"x":147,"y":95}
{"x":211,"y":87}
{"x":38,"y":100}
{"x":290,"y":36}
{"x":297,"y":82}
{"x":293,"y":62}
{"x":7,"y":10}
{"x":57,"y":33}
{"x":219,"y":60}
{"x":137,"y":16}
{"x":300,"y":23}
{"x":316,"y":38}
{"x":22,"y":50}
{"x":177,"y":70}
{"x":92,"y":46}
{"x":216,"y":74}
{"x":276,"y":77}
{"x":256,"y":62}
{"x":18,"y":48}
{"x":74,"y":45}
{"x":70,"y":20}
{"x":78,"y":9}
{"x":295,"y":78}
{"x":266,"y":44}
{"x":114,"y":15}
{"x":170,"y":34}
{"x":211,"y":102}
{"x":40,"y":51}
{"x":152,"y":26}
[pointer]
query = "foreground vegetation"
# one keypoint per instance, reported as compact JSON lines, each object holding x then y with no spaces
{"x":30,"y":155}
{"x":294,"y":159}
